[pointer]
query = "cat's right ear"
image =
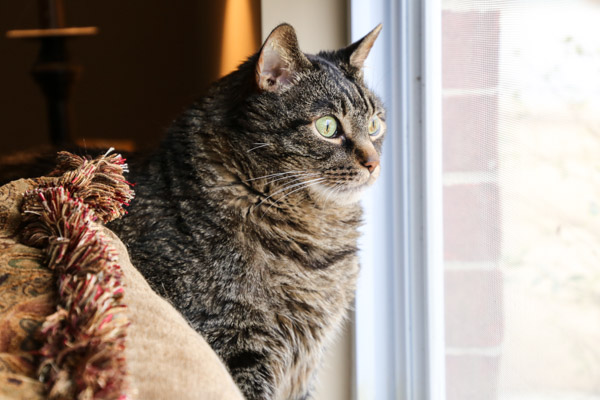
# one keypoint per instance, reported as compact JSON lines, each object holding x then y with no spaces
{"x":280,"y":59}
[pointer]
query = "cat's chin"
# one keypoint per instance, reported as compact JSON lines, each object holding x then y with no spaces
{"x":339,"y":195}
{"x":344,"y":194}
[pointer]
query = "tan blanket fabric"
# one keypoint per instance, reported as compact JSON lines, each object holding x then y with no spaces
{"x":162,"y":344}
{"x":26,"y":297}
{"x":165,"y":358}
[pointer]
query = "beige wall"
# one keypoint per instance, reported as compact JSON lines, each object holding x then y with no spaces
{"x":320,"y":25}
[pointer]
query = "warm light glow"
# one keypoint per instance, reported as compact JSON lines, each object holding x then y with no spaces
{"x":239,"y":36}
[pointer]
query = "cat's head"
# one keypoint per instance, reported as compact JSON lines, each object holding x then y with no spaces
{"x":312,"y":126}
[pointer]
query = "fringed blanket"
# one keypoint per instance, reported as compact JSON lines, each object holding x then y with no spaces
{"x":77,"y":321}
{"x":80,"y":346}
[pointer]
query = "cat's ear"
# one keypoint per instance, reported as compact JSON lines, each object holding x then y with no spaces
{"x":279,"y":59}
{"x":357,"y":52}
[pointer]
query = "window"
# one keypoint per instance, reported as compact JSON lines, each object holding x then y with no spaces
{"x":521,"y":145}
{"x":481,"y":262}
{"x":399,"y":306}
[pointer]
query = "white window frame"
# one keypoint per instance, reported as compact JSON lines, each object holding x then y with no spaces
{"x":399,"y":330}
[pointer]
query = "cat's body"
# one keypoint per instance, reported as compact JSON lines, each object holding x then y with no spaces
{"x":246,"y":218}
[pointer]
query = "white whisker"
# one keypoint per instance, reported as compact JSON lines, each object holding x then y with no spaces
{"x":307,"y":184}
{"x":260,"y":145}
{"x":335,"y":189}
{"x":270,"y":175}
{"x":315,"y":180}
{"x":332,"y":190}
{"x":297,"y":176}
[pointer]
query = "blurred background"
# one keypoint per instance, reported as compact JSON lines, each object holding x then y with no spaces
{"x":148,"y":62}
{"x":521,"y":179}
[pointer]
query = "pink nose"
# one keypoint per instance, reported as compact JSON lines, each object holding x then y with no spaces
{"x":367,"y":157}
{"x":371,"y":163}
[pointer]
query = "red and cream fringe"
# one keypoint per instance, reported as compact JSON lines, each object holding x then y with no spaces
{"x":84,"y":340}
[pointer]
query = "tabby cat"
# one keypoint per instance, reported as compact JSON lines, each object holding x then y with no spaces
{"x":246,"y":218}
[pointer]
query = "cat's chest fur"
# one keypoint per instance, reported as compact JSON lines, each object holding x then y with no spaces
{"x":311,"y":286}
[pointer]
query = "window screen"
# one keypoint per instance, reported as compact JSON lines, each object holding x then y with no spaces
{"x":521,"y":162}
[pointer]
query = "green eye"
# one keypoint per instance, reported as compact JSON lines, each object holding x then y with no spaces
{"x":327,"y":126}
{"x":374,"y":125}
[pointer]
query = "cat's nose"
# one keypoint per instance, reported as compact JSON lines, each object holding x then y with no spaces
{"x":371,"y":162}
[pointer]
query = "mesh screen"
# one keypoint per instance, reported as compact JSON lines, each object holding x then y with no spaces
{"x":521,"y":131}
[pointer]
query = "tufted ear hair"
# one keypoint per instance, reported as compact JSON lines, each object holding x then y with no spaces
{"x":279,"y":59}
{"x":357,"y":52}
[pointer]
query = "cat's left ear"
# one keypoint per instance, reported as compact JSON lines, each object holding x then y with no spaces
{"x":280,"y":59}
{"x":357,"y":52}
